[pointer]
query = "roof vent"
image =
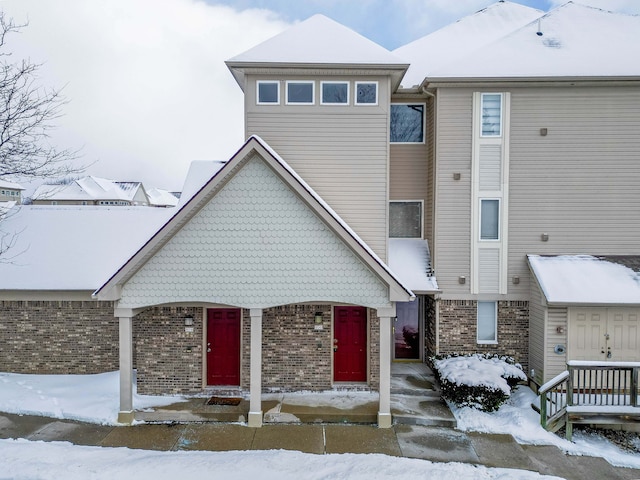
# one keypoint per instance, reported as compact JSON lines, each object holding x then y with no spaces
{"x":539,"y":32}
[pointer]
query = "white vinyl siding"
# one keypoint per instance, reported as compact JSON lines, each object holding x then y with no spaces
{"x":537,"y":323}
{"x":341,"y":152}
{"x":556,"y":363}
{"x":489,"y":270}
{"x":490,"y":171}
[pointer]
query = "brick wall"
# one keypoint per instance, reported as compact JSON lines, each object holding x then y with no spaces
{"x":58,"y":337}
{"x":458,"y":329}
{"x":168,"y":359}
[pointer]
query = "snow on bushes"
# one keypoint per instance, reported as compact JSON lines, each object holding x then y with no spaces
{"x":481,"y":381}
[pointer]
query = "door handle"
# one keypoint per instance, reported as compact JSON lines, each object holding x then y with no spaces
{"x":335,"y":348}
{"x":608,"y":352}
{"x":208,"y":350}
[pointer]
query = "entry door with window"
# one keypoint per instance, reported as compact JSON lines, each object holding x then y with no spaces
{"x":223,"y":346}
{"x":350,"y":344}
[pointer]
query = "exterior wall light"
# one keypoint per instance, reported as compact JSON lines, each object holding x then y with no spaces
{"x":462,"y":280}
{"x":318,"y":318}
{"x":188,"y":321}
{"x":544,"y":237}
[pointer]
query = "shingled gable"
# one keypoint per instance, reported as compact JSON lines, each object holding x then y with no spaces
{"x":318,"y":41}
{"x":396,"y":291}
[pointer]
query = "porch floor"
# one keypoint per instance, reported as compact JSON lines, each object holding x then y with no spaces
{"x":415,"y":400}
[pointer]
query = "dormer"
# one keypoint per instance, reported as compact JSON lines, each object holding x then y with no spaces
{"x":319,"y":94}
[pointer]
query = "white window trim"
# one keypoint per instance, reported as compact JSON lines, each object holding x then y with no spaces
{"x":499,"y":135}
{"x":336,"y":82}
{"x":313,"y":92}
{"x":424,"y":123}
{"x":495,"y":324}
{"x":355,"y":100}
{"x":490,"y":240}
{"x":260,"y":82}
{"x":421,"y":202}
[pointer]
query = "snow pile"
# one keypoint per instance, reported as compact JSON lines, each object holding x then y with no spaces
{"x":87,"y":398}
{"x":479,"y":371}
{"x":24,"y":459}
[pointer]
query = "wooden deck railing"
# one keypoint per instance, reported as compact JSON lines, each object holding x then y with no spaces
{"x":601,"y":393}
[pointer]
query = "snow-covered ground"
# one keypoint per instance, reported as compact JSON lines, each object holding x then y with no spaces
{"x":94,"y":398}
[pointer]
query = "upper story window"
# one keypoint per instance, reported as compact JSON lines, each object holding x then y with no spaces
{"x":489,"y":219}
{"x":491,"y":124}
{"x":334,"y":93}
{"x":268,"y":93}
{"x":405,"y":219}
{"x":300,"y":92}
{"x":407,"y":123}
{"x":366,"y":93}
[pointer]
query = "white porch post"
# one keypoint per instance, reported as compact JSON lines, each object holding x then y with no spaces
{"x":126,"y":367}
{"x":384,"y":411}
{"x":255,"y":400}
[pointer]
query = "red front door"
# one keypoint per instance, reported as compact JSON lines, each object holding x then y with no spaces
{"x":223,"y":346}
{"x":350,"y":344}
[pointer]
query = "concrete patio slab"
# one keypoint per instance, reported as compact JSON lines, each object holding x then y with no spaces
{"x":195,"y":410}
{"x":361,"y":439}
{"x":435,"y":443}
{"x":146,"y":437}
{"x":216,"y":437}
{"x":420,"y":410}
{"x":303,"y":438}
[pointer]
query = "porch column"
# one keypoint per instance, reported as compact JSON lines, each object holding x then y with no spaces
{"x":255,"y":399}
{"x":384,"y":411}
{"x":126,"y":368}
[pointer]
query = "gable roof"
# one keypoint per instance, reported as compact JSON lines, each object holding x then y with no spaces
{"x":587,"y":279}
{"x":254,"y":145}
{"x":317,"y":41}
{"x":470,"y":34}
{"x":10,"y":185}
{"x":89,"y":188}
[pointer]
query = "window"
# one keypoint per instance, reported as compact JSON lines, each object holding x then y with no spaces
{"x":268,"y":93}
{"x":487,"y":322}
{"x":334,"y":93}
{"x":405,"y":219}
{"x":491,"y":124}
{"x":489,"y":219}
{"x":300,"y":93}
{"x":366,"y":93}
{"x":407,"y":123}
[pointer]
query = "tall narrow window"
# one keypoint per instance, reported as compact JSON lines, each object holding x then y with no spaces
{"x":268,"y":93}
{"x":300,"y":93}
{"x":405,"y":219}
{"x":487,"y":322}
{"x":334,"y":93}
{"x":489,"y":219}
{"x":491,"y":125}
{"x":407,"y":123}
{"x":366,"y":93}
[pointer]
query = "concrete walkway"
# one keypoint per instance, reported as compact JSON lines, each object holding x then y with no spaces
{"x":438,"y":444}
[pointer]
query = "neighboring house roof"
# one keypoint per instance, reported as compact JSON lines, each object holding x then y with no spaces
{"x":317,"y":41}
{"x":10,"y":185}
{"x":200,"y":172}
{"x":161,"y":198}
{"x":264,"y":269}
{"x":571,"y":41}
{"x":588,"y":280}
{"x":67,"y":248}
{"x":410,"y":259}
{"x":89,"y":188}
{"x":470,"y":34}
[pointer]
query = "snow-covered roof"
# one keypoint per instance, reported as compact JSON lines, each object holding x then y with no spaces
{"x":469,"y":34}
{"x":410,"y":260}
{"x":587,"y":280}
{"x":317,"y":41}
{"x":72,"y":247}
{"x":11,"y":185}
{"x":88,"y":188}
{"x":161,"y":198}
{"x":571,"y":41}
{"x":200,"y":172}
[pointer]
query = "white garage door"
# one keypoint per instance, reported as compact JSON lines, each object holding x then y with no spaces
{"x":604,"y":334}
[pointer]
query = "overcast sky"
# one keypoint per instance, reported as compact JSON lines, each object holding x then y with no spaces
{"x":145,"y":80}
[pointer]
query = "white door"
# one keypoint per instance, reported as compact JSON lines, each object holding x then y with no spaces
{"x":603,"y":334}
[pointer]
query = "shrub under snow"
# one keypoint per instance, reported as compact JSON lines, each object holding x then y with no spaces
{"x":481,"y":381}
